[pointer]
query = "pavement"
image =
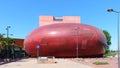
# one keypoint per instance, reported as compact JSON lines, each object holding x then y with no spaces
{"x":32,"y":63}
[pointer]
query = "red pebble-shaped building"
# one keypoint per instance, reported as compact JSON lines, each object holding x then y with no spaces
{"x":66,"y":40}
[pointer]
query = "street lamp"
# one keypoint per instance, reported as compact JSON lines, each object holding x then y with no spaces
{"x":7,"y":48}
{"x":8,"y":31}
{"x":38,"y":47}
{"x":111,"y":10}
{"x":7,"y":28}
{"x":77,"y":29}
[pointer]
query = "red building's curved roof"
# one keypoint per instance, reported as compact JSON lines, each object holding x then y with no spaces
{"x":61,"y":40}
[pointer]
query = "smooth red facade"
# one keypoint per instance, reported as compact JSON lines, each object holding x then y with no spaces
{"x":60,"y":40}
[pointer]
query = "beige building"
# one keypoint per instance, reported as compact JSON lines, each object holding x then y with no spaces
{"x":46,"y":20}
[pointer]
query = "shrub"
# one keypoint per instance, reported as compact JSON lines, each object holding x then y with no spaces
{"x":82,"y":60}
{"x":100,"y":63}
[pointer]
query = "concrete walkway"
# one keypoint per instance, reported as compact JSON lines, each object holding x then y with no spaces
{"x":32,"y":63}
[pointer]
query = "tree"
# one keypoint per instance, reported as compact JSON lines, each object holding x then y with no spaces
{"x":1,"y":36}
{"x":5,"y":41}
{"x":1,"y":41}
{"x":5,"y":46}
{"x":108,"y":37}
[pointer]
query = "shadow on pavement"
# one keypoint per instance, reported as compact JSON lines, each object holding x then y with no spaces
{"x":5,"y":61}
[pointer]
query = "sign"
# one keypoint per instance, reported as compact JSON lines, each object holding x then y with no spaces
{"x":37,"y":46}
{"x":43,"y":59}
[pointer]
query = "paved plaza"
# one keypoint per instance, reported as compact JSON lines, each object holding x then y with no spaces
{"x":32,"y":63}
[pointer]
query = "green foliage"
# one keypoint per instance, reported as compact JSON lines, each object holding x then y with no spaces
{"x":108,"y":37}
{"x":1,"y":41}
{"x":81,"y":60}
{"x":5,"y":41}
{"x":1,"y":36}
{"x":111,"y":53}
{"x":8,"y":40}
{"x":6,"y":47}
{"x":100,"y":63}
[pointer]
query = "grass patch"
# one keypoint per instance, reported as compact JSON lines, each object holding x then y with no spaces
{"x":81,"y":60}
{"x":100,"y":63}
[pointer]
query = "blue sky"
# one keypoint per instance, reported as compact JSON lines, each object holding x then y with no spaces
{"x":23,"y":15}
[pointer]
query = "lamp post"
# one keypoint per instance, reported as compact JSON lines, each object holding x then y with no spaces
{"x":117,"y":12}
{"x":8,"y":31}
{"x":77,"y":29}
{"x":38,"y":47}
{"x":8,"y":49}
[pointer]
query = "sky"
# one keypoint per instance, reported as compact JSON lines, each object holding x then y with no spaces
{"x":23,"y":15}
